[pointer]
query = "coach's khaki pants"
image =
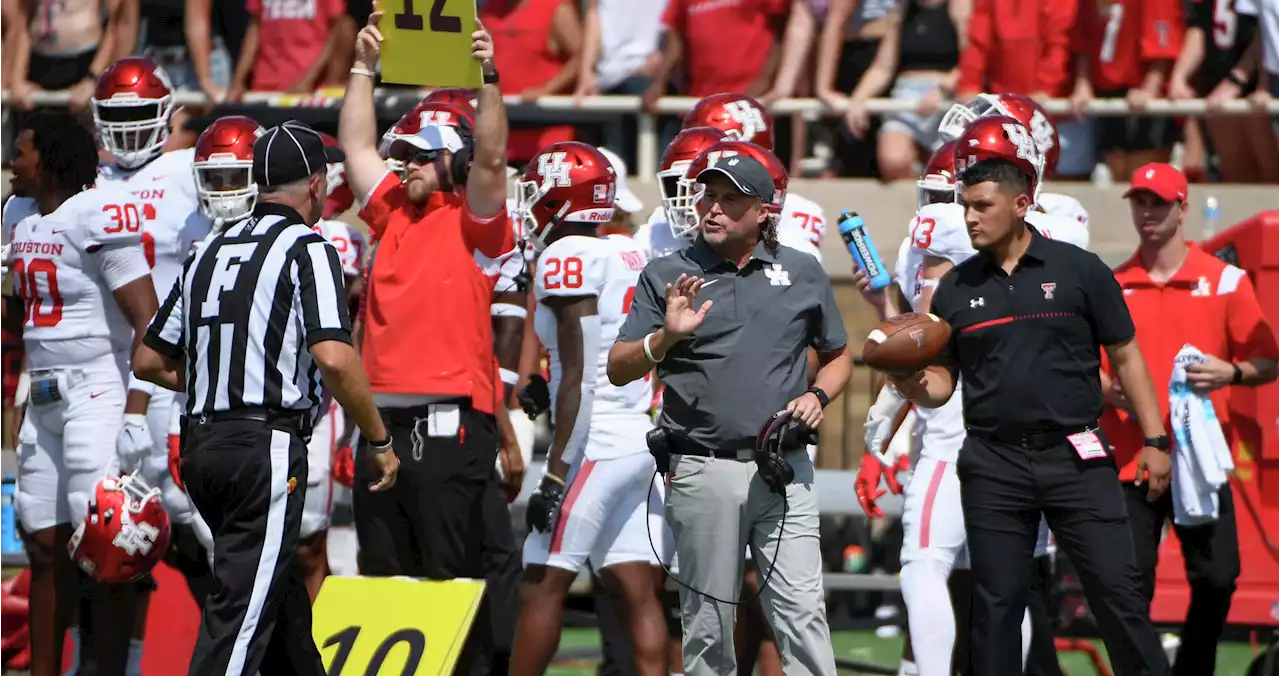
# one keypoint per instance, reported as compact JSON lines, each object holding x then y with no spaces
{"x":715,"y":508}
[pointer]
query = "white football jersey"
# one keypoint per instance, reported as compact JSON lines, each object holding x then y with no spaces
{"x":938,"y":230}
{"x":607,"y":268}
{"x":70,"y":314}
{"x":515,"y":262}
{"x":655,"y":238}
{"x":347,"y":241}
{"x":172,"y":222}
{"x":1059,"y":228}
{"x":1067,"y":207}
{"x":802,"y":225}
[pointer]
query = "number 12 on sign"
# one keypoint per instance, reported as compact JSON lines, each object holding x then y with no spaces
{"x":428,"y":43}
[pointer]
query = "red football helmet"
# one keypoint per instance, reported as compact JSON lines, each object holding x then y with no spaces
{"x":224,"y":168}
{"x":739,"y":116}
{"x":131,"y":106}
{"x":689,"y":190}
{"x":938,"y":182}
{"x":458,"y":96}
{"x":568,"y":182}
{"x":424,"y":115}
{"x":340,"y":197}
{"x":1020,"y":107}
{"x":686,"y":146}
{"x":125,"y":533}
{"x":1004,"y":138}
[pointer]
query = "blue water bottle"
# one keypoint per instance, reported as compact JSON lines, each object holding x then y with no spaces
{"x":864,"y":253}
{"x":9,"y":542}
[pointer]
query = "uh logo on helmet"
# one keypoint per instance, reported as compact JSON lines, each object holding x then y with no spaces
{"x":125,"y":532}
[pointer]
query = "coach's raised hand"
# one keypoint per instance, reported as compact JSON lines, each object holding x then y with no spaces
{"x":682,"y":317}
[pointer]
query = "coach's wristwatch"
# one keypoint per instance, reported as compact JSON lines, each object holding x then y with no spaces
{"x":822,"y":396}
{"x":380,"y":446}
{"x":1160,"y":443}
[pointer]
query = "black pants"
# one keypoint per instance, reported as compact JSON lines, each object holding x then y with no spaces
{"x":1042,"y":658}
{"x":1004,"y":489}
{"x":249,"y":480}
{"x":446,"y":517}
{"x":1212,"y":556}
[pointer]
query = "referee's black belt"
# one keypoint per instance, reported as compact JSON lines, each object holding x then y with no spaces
{"x":297,"y":420}
{"x":1035,"y":440}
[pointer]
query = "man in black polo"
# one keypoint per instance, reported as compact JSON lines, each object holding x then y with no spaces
{"x":257,"y":316}
{"x":1028,"y":316}
{"x":728,"y":364}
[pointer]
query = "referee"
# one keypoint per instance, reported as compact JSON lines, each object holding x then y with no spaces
{"x":256,"y":312}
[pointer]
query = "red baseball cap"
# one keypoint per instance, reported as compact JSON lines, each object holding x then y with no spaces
{"x":1162,"y":180}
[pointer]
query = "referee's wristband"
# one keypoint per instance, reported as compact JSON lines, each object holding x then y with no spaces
{"x":380,"y":446}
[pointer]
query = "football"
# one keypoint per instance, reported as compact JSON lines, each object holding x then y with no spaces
{"x":906,"y":343}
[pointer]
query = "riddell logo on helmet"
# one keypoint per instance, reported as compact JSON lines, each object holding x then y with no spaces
{"x":591,"y":216}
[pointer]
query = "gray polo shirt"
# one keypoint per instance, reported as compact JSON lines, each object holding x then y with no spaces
{"x":747,"y":360}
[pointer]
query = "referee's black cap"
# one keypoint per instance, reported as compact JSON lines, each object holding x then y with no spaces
{"x":291,"y":152}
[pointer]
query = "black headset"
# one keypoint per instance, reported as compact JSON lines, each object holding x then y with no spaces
{"x":460,"y":165}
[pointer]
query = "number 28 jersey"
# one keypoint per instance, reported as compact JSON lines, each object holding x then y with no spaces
{"x":607,"y":268}
{"x":70,"y":313}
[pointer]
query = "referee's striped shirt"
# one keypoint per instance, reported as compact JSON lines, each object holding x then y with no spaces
{"x":246,"y":308}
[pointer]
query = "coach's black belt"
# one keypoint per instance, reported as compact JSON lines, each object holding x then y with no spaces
{"x":1031,"y":439}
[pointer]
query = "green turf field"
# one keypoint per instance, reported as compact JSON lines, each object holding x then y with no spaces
{"x":1233,"y":658}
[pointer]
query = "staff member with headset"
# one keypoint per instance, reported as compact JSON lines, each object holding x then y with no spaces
{"x":727,"y":322}
{"x":442,"y":230}
{"x":257,"y":317}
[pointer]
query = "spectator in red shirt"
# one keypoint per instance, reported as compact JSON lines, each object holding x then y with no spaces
{"x":723,"y":46}
{"x":1124,"y":50}
{"x":1019,"y":47}
{"x":537,"y":47}
{"x":288,"y":46}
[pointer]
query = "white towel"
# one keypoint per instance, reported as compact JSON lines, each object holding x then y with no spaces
{"x":1201,"y":457}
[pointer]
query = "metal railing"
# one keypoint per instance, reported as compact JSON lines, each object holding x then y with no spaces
{"x":566,"y":109}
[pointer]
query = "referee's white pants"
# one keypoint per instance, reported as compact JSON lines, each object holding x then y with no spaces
{"x":716,"y":507}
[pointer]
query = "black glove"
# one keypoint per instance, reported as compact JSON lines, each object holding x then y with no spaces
{"x":535,"y":398}
{"x":544,"y":505}
{"x":774,"y":470}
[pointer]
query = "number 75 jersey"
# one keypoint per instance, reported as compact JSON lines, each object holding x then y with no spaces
{"x":607,"y":268}
{"x":65,"y":294}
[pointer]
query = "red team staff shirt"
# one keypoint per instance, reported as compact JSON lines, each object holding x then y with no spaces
{"x":427,"y":327}
{"x":291,"y":37}
{"x":1124,"y":37}
{"x":1208,"y":304}
{"x":726,"y":42}
{"x":1021,"y":46}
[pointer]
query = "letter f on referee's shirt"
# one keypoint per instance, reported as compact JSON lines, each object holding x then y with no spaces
{"x":225,"y":273}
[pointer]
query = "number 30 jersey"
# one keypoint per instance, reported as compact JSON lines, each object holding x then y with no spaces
{"x":607,"y":268}
{"x":172,"y":223}
{"x":59,"y":272}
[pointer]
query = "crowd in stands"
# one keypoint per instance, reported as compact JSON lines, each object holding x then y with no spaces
{"x":843,"y":52}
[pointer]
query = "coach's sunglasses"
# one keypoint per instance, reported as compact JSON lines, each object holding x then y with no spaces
{"x":407,"y":153}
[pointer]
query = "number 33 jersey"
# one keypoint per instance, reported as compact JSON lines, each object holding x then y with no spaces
{"x":938,"y":230}
{"x":60,"y":270}
{"x":607,"y":268}
{"x":165,"y":188}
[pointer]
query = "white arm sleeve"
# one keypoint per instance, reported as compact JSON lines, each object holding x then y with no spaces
{"x":121,"y":264}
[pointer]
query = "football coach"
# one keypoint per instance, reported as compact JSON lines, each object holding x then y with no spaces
{"x":730,"y":361}
{"x":255,"y":320}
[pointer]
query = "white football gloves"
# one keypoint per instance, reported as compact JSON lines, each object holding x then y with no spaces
{"x":879,"y":426}
{"x":134,"y":442}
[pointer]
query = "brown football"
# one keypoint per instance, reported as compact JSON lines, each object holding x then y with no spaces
{"x":906,"y":343}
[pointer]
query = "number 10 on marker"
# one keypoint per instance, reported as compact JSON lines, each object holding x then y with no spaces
{"x":428,"y":43}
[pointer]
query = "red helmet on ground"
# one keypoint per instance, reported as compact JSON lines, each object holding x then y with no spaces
{"x":458,"y":96}
{"x":567,"y":182}
{"x":340,"y":197}
{"x":1000,"y":137}
{"x":1020,"y":107}
{"x":131,"y":105}
{"x":939,"y":177}
{"x":739,"y":116}
{"x":223,"y":168}
{"x":125,"y":533}
{"x":686,"y":146}
{"x":450,"y":123}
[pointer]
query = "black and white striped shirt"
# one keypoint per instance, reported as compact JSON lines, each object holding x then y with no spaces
{"x":248,"y":305}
